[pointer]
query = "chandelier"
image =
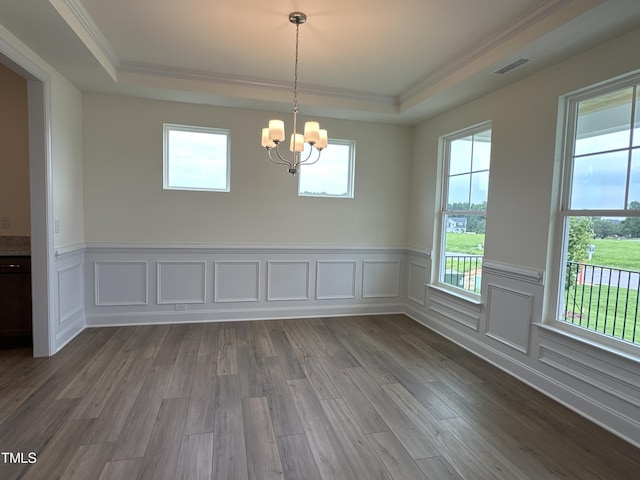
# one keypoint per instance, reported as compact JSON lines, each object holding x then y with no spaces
{"x":273,"y":135}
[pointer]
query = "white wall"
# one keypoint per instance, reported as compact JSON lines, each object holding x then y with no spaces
{"x":67,"y":162}
{"x":125,"y":202}
{"x":508,"y":327}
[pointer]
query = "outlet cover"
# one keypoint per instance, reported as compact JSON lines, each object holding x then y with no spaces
{"x":181,"y":307}
{"x":5,"y":223}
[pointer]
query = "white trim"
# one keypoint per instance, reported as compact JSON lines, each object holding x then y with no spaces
{"x":159,"y":299}
{"x":336,"y":297}
{"x":513,"y":272}
{"x":96,"y":272}
{"x":216,"y":295}
{"x":529,"y":314}
{"x":167,"y":128}
{"x":80,"y":308}
{"x":306,"y":263}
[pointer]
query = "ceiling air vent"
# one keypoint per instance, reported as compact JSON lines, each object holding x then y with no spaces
{"x":511,"y":66}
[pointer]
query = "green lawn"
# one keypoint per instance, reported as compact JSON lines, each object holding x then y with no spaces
{"x":466,"y":243}
{"x":623,"y":253}
{"x":604,"y":310}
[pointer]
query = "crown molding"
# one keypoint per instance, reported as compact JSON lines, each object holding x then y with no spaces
{"x":498,"y":38}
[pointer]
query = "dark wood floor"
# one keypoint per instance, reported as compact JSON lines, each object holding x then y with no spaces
{"x":334,"y":399}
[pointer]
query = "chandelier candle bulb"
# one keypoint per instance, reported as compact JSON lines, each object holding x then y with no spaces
{"x":323,"y":139}
{"x":276,"y":130}
{"x":266,"y":141}
{"x":311,"y":132}
{"x":297,"y":142}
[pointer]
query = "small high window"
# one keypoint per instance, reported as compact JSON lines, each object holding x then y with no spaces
{"x":332,"y":175}
{"x":196,"y":158}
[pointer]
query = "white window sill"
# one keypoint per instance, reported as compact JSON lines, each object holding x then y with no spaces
{"x":594,"y":340}
{"x":471,"y":298}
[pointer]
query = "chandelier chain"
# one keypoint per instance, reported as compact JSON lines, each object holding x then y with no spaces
{"x":295,"y":78}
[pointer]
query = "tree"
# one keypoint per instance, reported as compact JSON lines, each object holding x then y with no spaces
{"x":631,"y":225}
{"x":603,"y":228}
{"x":580,"y":236}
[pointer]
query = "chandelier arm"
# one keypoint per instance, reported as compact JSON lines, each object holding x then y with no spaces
{"x":283,"y":161}
{"x":301,"y":162}
{"x":311,"y":163}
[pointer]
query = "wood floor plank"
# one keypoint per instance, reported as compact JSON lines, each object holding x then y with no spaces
{"x":95,"y":368}
{"x":439,"y":468}
{"x":119,"y":470}
{"x":418,"y":443}
{"x":209,"y":340}
{"x":95,"y":399}
{"x":167,"y":352}
{"x":395,"y":458}
{"x":183,"y":370}
{"x":249,"y":362}
{"x":117,"y":408}
{"x":263,"y":459}
{"x":161,"y":456}
{"x":196,"y":457}
{"x":227,"y":352}
{"x":360,"y":454}
{"x":318,"y":378}
{"x":135,"y":436}
{"x":330,"y":458}
{"x":283,"y":411}
{"x":200,"y":415}
{"x":229,"y":452}
{"x":261,"y":339}
{"x":88,"y":462}
{"x":367,"y":417}
{"x":297,"y":459}
{"x":289,"y":363}
{"x":51,"y":463}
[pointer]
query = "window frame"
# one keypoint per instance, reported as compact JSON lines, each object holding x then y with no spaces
{"x":444,"y":212}
{"x":568,"y":115}
{"x":166,"y":161}
{"x":350,"y":171}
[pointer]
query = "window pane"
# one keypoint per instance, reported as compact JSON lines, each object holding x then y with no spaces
{"x":460,"y":156}
{"x":331,"y":175}
{"x":458,"y":194}
{"x":482,"y":151}
{"x":463,"y":252}
{"x":479,"y":190}
{"x":599,"y":181}
{"x":604,"y":123}
{"x":196,"y":160}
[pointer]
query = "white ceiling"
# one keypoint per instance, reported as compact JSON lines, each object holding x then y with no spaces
{"x":376,"y":60}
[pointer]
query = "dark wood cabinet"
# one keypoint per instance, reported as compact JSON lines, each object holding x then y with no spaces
{"x":15,"y":301}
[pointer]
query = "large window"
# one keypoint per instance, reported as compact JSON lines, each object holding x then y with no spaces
{"x":467,"y":157}
{"x":600,"y":214}
{"x":332,"y":175}
{"x":196,"y":158}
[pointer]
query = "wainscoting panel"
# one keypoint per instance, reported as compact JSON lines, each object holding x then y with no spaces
{"x":121,"y":283}
{"x":288,"y":280}
{"x":237,"y":281}
{"x":181,"y":282}
{"x":70,"y":292}
{"x":417,"y":283}
{"x":69,"y":295}
{"x":509,"y":316}
{"x":335,"y":280}
{"x":380,"y":279}
{"x":454,"y":308}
